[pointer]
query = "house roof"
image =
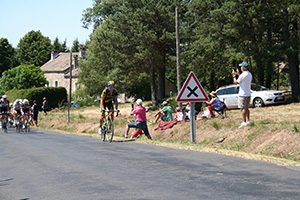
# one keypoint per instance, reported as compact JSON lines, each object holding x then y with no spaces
{"x":74,"y":73}
{"x":59,"y":64}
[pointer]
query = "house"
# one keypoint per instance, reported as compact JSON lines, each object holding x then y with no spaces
{"x":57,"y":69}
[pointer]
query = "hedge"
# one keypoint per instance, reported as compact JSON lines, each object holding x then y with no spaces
{"x":56,"y":96}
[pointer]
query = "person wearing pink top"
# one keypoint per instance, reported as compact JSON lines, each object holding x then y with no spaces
{"x":139,"y":113}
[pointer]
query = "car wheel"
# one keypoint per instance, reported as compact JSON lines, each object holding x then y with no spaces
{"x":258,"y":102}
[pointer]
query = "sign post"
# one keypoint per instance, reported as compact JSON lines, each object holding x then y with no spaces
{"x":192,"y":91}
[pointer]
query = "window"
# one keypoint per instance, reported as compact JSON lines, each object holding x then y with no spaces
{"x":232,"y":90}
{"x":56,"y":84}
{"x":221,"y":92}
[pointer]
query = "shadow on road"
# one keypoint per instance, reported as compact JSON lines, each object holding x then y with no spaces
{"x":5,"y":181}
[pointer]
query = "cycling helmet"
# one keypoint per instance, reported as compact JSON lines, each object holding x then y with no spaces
{"x":25,"y":101}
{"x":110,"y":83}
{"x":4,"y":97}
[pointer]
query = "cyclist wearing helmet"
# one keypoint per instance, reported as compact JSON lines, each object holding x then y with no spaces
{"x":108,"y":99}
{"x":26,"y":109}
{"x":4,"y":104}
{"x":16,"y":109}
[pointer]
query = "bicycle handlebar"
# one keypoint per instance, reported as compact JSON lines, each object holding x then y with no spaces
{"x":108,"y":111}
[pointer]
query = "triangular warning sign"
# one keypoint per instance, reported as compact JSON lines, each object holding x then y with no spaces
{"x":192,"y":90}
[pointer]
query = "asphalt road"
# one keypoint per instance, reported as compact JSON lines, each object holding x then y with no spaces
{"x":45,"y":165}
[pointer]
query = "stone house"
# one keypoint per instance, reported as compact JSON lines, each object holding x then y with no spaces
{"x":57,"y":69}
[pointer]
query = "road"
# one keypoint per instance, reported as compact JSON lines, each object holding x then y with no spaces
{"x":43,"y":165}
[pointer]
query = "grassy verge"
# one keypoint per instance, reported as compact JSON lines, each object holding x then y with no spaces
{"x":274,"y":134}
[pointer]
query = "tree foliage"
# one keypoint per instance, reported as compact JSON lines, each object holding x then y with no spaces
{"x":133,"y":37}
{"x":23,"y":77}
{"x":75,"y":46}
{"x":34,"y":48}
{"x":7,"y":55}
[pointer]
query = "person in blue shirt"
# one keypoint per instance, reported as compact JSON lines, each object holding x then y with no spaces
{"x":215,"y":104}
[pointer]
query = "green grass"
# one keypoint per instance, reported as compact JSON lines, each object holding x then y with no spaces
{"x":216,"y":125}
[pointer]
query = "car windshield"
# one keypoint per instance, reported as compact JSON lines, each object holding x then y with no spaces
{"x":256,"y":87}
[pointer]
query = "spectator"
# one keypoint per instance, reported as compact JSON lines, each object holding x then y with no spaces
{"x":139,"y":113}
{"x":178,"y":115}
{"x":45,"y":106}
{"x":165,"y":114}
{"x":35,"y":112}
{"x":215,"y":104}
{"x":244,"y":80}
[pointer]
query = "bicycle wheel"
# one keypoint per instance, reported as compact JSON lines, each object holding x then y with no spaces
{"x":110,"y":130}
{"x":103,"y":132}
{"x":4,"y":124}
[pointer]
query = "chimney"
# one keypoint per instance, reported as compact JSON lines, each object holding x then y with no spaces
{"x":54,"y":55}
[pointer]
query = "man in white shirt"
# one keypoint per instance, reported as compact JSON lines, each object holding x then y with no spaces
{"x":244,"y":80}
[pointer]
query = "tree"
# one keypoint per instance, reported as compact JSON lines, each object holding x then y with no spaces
{"x":7,"y":55}
{"x":64,"y":46}
{"x":23,"y":77}
{"x":34,"y":48}
{"x":75,"y":46}
{"x":57,"y":46}
{"x":130,"y":37}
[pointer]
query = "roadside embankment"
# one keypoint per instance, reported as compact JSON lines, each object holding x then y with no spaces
{"x":274,"y":134}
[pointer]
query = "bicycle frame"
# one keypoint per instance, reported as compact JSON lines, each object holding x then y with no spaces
{"x":108,"y":126}
{"x":4,"y":121}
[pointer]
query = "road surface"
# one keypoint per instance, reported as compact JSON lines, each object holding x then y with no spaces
{"x":45,"y":165}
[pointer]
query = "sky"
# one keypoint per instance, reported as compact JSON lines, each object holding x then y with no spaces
{"x":54,"y":18}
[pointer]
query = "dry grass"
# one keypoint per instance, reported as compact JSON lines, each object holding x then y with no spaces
{"x":273,"y":135}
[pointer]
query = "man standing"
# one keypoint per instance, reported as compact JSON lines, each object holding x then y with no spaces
{"x":244,"y":80}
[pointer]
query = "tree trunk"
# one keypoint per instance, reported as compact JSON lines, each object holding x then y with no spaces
{"x":153,"y":86}
{"x":269,"y":64}
{"x":290,"y":37}
{"x":260,"y":69}
{"x":161,"y":77}
{"x":293,"y":61}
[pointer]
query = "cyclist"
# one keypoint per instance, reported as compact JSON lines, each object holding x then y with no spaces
{"x":4,"y":104}
{"x":108,"y":99}
{"x":26,"y":110}
{"x":16,"y":109}
{"x":4,"y":107}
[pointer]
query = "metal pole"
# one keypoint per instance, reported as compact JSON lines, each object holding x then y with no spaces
{"x":178,"y":68}
{"x":193,"y":124}
{"x":70,"y":89}
{"x":177,"y":50}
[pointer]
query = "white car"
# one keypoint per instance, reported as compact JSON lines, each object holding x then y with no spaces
{"x":260,"y":96}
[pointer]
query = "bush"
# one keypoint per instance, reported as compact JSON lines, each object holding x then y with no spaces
{"x":55,"y":95}
{"x":87,"y":101}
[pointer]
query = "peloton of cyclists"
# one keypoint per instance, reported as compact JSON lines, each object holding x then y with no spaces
{"x":20,"y":109}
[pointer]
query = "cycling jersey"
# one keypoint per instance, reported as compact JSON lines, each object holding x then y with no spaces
{"x":107,"y":96}
{"x":4,"y":105}
{"x":17,"y":106}
{"x":26,"y":108}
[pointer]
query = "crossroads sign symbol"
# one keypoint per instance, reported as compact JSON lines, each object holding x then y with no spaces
{"x":192,"y":90}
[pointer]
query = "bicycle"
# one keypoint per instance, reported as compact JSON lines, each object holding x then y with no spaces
{"x":4,"y":121}
{"x":26,"y":124}
{"x":106,"y":131}
{"x":18,"y":123}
